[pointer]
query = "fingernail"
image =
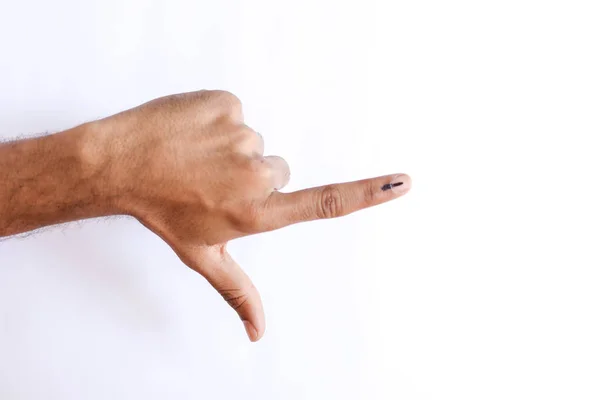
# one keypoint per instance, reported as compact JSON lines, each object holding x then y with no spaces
{"x":399,"y":183}
{"x":250,"y":331}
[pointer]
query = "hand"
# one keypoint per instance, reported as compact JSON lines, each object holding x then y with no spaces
{"x":188,"y":168}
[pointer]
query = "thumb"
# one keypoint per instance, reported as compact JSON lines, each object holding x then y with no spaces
{"x":228,"y":278}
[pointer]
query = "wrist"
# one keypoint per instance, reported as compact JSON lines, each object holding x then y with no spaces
{"x":51,"y":180}
{"x":97,"y":163}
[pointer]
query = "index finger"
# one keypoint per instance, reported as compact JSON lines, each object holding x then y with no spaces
{"x":332,"y":201}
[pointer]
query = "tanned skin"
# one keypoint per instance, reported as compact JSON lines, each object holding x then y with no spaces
{"x":188,"y":168}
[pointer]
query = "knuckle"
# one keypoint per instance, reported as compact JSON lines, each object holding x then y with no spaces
{"x":231,"y":103}
{"x":330,"y":203}
{"x":244,"y":135}
{"x":226,"y":97}
{"x":258,"y":171}
{"x":370,"y":194}
{"x":248,"y":220}
{"x":245,"y":131}
{"x":261,"y":170}
{"x":246,"y":141}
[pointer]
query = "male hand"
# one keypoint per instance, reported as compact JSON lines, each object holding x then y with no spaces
{"x":188,"y":168}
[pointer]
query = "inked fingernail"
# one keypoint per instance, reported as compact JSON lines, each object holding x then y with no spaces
{"x":388,"y":186}
{"x":398,"y":183}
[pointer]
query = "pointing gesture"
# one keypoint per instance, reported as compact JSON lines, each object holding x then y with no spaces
{"x":188,"y":168}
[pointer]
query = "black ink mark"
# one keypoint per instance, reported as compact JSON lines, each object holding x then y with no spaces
{"x":391,"y":185}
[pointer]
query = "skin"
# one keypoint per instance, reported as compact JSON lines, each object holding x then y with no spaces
{"x":188,"y":168}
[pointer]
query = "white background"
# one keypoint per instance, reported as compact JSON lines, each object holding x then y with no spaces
{"x":482,"y":283}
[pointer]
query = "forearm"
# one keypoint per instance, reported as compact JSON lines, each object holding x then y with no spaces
{"x":50,"y":180}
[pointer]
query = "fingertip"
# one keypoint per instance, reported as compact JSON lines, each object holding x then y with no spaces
{"x":398,"y":184}
{"x":253,"y":334}
{"x":250,"y":331}
{"x":407,"y":182}
{"x":252,"y":315}
{"x":236,"y":288}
